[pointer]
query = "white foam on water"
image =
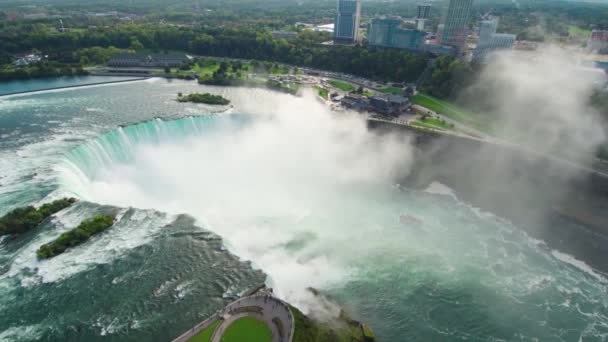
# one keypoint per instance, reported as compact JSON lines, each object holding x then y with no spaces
{"x":22,"y":333}
{"x":298,"y":171}
{"x":130,"y":231}
{"x":323,"y":153}
{"x":570,"y":260}
{"x":437,"y":188}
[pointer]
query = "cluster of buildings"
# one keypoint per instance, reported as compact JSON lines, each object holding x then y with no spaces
{"x":26,"y":59}
{"x":451,"y":36}
{"x":390,"y":104}
{"x":598,"y":41}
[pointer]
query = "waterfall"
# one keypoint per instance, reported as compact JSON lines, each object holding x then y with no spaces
{"x":83,"y":163}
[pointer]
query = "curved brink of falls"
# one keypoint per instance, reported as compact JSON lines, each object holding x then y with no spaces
{"x":294,"y":205}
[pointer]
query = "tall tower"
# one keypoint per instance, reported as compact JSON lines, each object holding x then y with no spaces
{"x":456,"y":21}
{"x":486,"y":29}
{"x":346,"y":26}
{"x":424,"y":12}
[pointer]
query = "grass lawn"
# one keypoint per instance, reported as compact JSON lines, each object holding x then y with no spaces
{"x":205,"y":70}
{"x":577,"y":31}
{"x":341,"y":85}
{"x":281,"y":70}
{"x":324,"y":93}
{"x":205,"y":334}
{"x":452,"y":111}
{"x":433,"y":123}
{"x":425,"y":125}
{"x":247,"y":329}
{"x":437,"y":122}
{"x":368,"y":93}
{"x":391,"y":90}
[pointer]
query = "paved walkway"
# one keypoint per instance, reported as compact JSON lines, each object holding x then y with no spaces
{"x":272,"y":311}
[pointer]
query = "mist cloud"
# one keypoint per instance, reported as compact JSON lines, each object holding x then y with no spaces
{"x":269,"y":187}
{"x":541,"y":100}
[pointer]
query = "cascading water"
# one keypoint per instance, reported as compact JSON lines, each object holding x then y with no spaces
{"x":406,"y":261}
{"x":307,"y":196}
{"x":85,"y":162}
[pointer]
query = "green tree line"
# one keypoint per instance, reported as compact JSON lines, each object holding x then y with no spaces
{"x":247,"y":43}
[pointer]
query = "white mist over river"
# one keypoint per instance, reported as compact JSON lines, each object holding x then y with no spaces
{"x":308,"y":197}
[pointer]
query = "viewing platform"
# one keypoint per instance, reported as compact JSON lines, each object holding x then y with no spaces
{"x":259,"y":316}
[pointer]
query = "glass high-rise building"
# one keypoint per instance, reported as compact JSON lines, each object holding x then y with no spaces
{"x":424,"y":11}
{"x":490,"y":41}
{"x":486,"y":29}
{"x":387,"y":32}
{"x":455,"y":26}
{"x":346,"y":26}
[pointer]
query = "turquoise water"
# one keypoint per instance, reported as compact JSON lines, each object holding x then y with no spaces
{"x":57,"y":82}
{"x":278,"y":198}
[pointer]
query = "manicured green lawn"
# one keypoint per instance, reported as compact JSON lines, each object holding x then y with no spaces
{"x":433,"y":123}
{"x":323,"y":92}
{"x":391,"y":90}
{"x":280,"y":70}
{"x":437,"y":122}
{"x":208,"y":69}
{"x":205,"y":335}
{"x":577,"y":31}
{"x":368,"y":93}
{"x":452,"y":111}
{"x":425,"y":125}
{"x":341,"y":85}
{"x":247,"y":329}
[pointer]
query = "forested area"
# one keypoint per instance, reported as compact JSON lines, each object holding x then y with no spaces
{"x":247,"y":43}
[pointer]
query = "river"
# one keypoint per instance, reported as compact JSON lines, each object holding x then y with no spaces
{"x":213,"y":201}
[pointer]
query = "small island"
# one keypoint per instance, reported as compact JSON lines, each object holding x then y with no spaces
{"x":24,"y":219}
{"x":205,"y":98}
{"x":76,"y":236}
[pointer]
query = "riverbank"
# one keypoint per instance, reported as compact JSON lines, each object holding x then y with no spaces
{"x":72,"y":86}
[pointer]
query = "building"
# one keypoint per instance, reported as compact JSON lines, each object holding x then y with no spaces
{"x":147,"y":61}
{"x":389,"y":104}
{"x":25,"y":60}
{"x":355,"y":102}
{"x":598,"y":41}
{"x":486,"y":29}
{"x":490,"y":41}
{"x":438,"y":50}
{"x":455,"y":24}
{"x":346,"y":28}
{"x":424,"y":13}
{"x":284,"y":34}
{"x":387,"y":32}
{"x":497,"y":41}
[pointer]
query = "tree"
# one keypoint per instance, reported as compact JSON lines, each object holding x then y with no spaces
{"x":136,"y":44}
{"x":167,"y":70}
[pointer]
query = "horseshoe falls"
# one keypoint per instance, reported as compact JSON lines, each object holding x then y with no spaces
{"x":277,"y":189}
